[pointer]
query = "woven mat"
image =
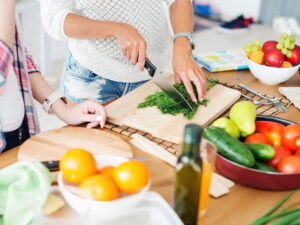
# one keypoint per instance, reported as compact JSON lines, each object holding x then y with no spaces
{"x":269,"y":110}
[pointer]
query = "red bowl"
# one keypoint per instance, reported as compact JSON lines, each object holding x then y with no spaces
{"x":256,"y":178}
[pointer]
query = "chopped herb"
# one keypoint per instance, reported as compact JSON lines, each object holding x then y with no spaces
{"x":169,"y":106}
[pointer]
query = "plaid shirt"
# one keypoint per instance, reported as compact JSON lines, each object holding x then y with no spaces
{"x":23,"y":65}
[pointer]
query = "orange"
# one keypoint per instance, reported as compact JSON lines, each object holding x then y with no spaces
{"x":77,"y":164}
{"x":107,"y":170}
{"x":131,"y":176}
{"x":99,"y":187}
{"x":286,"y":64}
{"x":257,"y":57}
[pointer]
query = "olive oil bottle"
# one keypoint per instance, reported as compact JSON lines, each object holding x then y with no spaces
{"x":188,"y":176}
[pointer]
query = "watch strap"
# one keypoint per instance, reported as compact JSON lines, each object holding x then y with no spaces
{"x":188,"y":35}
{"x":51,"y":99}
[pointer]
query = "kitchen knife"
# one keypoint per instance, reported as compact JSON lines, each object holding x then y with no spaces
{"x":165,"y":86}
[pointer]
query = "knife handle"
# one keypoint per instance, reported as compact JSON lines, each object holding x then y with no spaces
{"x":150,"y":67}
{"x":51,"y":165}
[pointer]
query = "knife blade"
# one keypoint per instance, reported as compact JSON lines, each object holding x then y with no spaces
{"x":165,"y":86}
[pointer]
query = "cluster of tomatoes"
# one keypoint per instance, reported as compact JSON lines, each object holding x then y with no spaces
{"x":79,"y":167}
{"x":284,"y":139}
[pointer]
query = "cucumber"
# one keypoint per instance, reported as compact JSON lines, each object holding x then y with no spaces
{"x":230,"y":147}
{"x":264,"y":167}
{"x":261,"y":152}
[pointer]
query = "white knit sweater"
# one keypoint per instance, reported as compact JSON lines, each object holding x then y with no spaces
{"x":103,"y":56}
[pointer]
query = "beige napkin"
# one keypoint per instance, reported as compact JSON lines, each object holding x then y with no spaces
{"x":292,"y":93}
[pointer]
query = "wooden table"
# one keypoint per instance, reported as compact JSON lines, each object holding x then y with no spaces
{"x":243,"y":204}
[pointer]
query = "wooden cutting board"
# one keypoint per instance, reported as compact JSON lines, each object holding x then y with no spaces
{"x":124,"y":111}
{"x":51,"y":145}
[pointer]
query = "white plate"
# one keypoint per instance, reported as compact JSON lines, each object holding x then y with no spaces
{"x":152,"y":210}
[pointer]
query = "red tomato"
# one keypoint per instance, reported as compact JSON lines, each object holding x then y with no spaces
{"x":297,"y":153}
{"x":289,"y":164}
{"x":258,"y":138}
{"x":291,"y":137}
{"x":280,"y":153}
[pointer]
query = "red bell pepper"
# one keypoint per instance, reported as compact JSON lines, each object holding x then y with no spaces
{"x":270,"y":129}
{"x":291,"y":137}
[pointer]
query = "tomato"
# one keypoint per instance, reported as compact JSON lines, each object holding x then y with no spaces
{"x":258,"y":138}
{"x":271,"y":129}
{"x":280,"y":153}
{"x":291,"y":137}
{"x":297,"y":153}
{"x":289,"y":164}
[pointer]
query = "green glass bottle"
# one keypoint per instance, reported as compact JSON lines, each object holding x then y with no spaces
{"x":188,"y":176}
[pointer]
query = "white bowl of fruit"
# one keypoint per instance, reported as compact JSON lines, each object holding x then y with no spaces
{"x":98,"y":186}
{"x":273,"y":62}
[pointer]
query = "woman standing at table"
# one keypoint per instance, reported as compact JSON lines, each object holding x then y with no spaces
{"x":110,"y":40}
{"x":20,"y":81}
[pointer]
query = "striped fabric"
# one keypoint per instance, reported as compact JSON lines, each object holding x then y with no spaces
{"x":18,"y":58}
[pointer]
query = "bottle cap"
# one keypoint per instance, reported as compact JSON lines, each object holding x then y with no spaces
{"x":192,"y":133}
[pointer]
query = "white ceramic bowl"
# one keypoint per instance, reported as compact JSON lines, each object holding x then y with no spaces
{"x":102,"y":209}
{"x":271,"y":75}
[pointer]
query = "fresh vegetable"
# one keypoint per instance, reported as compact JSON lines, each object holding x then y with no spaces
{"x":289,"y":164}
{"x":243,"y":114}
{"x":280,"y":153}
{"x":228,"y":125}
{"x":291,"y":137}
{"x":272,"y":130}
{"x":229,"y":147}
{"x":167,"y":105}
{"x":264,"y":167}
{"x":297,"y":153}
{"x":258,"y":138}
{"x":284,"y":213}
{"x":261,"y":151}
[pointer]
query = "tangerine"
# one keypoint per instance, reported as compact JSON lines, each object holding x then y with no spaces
{"x":286,"y":64}
{"x":77,"y":164}
{"x":99,"y":187}
{"x":107,"y":170}
{"x":257,"y":57}
{"x":131,"y":176}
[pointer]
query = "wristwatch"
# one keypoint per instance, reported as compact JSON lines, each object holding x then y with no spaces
{"x":51,"y":99}
{"x":187,"y":35}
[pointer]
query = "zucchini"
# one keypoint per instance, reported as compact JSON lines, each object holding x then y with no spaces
{"x":264,"y":167}
{"x":230,"y":147}
{"x":261,"y":152}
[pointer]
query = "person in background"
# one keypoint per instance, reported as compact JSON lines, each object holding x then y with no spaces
{"x":21,"y":81}
{"x":109,"y":42}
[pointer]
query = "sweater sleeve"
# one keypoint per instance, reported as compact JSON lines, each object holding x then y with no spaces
{"x":53,"y":14}
{"x":6,"y":59}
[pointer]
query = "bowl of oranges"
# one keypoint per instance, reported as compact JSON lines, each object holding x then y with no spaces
{"x":100,"y":185}
{"x":273,"y":62}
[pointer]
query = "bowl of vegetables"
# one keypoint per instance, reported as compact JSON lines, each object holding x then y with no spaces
{"x":268,"y":158}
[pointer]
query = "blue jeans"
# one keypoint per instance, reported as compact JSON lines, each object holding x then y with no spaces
{"x":79,"y":84}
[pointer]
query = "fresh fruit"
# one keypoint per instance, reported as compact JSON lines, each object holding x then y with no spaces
{"x":243,"y":114}
{"x":289,"y":164}
{"x":273,"y":57}
{"x":258,"y":138}
{"x":230,"y":147}
{"x":107,"y":170}
{"x":228,"y":125}
{"x":291,"y":137}
{"x":295,"y":56}
{"x":280,"y":153}
{"x":257,"y":57}
{"x":286,"y":64}
{"x":100,"y":188}
{"x":131,"y":176}
{"x":77,"y":164}
{"x":269,"y":45}
{"x":270,"y":129}
{"x":261,"y":151}
{"x":264,"y":167}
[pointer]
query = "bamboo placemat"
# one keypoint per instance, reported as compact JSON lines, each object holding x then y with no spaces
{"x":269,"y":110}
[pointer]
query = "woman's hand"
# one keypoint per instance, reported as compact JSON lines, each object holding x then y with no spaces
{"x":186,"y":70}
{"x":132,"y":44}
{"x":89,"y":112}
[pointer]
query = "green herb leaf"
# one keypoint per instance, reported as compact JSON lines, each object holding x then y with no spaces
{"x":169,"y":106}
